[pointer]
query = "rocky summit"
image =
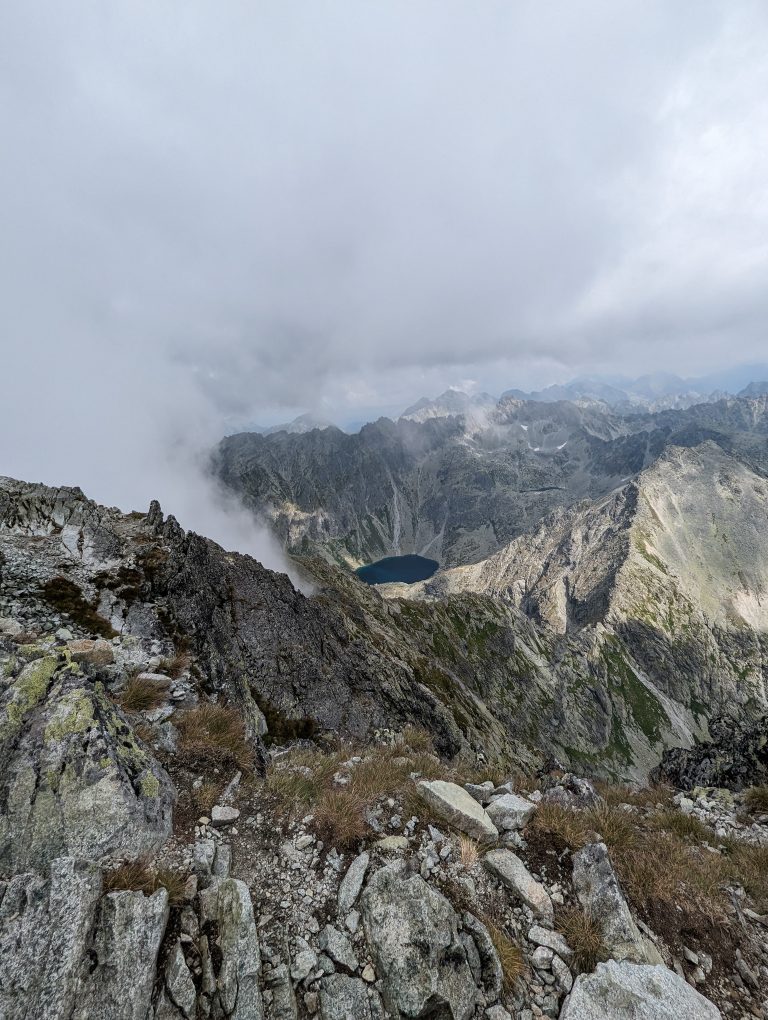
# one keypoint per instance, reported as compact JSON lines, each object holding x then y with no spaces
{"x":532,"y":786}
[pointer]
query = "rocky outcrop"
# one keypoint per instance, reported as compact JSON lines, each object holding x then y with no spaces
{"x":122,"y":957}
{"x":234,"y":956}
{"x":599,"y":892}
{"x":74,"y":780}
{"x":452,"y":803}
{"x":625,"y":991}
{"x":418,"y":954}
{"x":45,"y":929}
{"x":735,"y":757}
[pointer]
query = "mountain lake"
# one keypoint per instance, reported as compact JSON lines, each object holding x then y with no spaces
{"x":406,"y":569}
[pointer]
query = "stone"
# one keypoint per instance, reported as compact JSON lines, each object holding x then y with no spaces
{"x":62,"y":634}
{"x":203,"y":856}
{"x":178,"y":981}
{"x":351,"y":884}
{"x":497,"y":1012}
{"x":339,"y":948}
{"x":491,"y":973}
{"x":510,"y":812}
{"x":222,"y":862}
{"x":10,"y":627}
{"x":77,"y":782}
{"x":552,"y":940}
{"x":541,"y":958}
{"x":514,"y":875}
{"x":628,"y":991}
{"x":45,"y":932}
{"x":412,"y":931}
{"x":563,"y":976}
{"x":458,"y":808}
{"x":304,"y":962}
{"x":280,"y":987}
{"x":222,"y":814}
{"x":123,"y":959}
{"x":482,"y":792}
{"x":572,"y":792}
{"x":599,"y":893}
{"x":344,"y":998}
{"x":92,"y":653}
{"x":391,"y":844}
{"x":228,"y":903}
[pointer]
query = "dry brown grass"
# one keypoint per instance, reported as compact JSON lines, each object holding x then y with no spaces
{"x":642,"y":797}
{"x":510,"y":954}
{"x":748,"y":865}
{"x":305,"y":779}
{"x":175,"y":665}
{"x":339,"y":818}
{"x":685,"y":826}
{"x":141,"y":694}
{"x":584,"y":935}
{"x":302,"y":779}
{"x":213,"y":736}
{"x":468,"y":852}
{"x":205,"y":796}
{"x":657,"y":867}
{"x":418,"y":739}
{"x":138,"y":876}
{"x":756,"y":799}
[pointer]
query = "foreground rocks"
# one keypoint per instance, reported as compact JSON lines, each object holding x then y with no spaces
{"x":458,"y":807}
{"x":77,"y":782}
{"x":414,"y":937}
{"x":625,"y":991}
{"x":599,"y":893}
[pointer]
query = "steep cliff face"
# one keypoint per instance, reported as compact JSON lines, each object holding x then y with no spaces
{"x":477,"y":672}
{"x":459,"y":488}
{"x":668,"y":575}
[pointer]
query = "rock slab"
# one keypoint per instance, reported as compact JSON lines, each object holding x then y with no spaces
{"x":412,"y":931}
{"x":599,"y":892}
{"x":628,"y":991}
{"x":514,"y":875}
{"x":458,"y":807}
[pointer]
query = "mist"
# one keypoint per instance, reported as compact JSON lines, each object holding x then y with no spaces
{"x":217,"y":212}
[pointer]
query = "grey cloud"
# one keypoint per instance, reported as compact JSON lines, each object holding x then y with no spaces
{"x":231,"y":209}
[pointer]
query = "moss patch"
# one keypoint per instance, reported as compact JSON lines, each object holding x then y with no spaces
{"x":65,"y":596}
{"x":73,"y":714}
{"x":30,"y":688}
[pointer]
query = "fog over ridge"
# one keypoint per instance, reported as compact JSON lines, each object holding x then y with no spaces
{"x":235,"y":211}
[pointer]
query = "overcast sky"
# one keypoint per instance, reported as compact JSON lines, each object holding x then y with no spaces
{"x":244,"y":210}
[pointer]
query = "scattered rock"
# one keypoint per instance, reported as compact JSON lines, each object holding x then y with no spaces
{"x":626,"y":991}
{"x":391,"y":843}
{"x":339,"y":948}
{"x":514,"y":875}
{"x":352,"y":883}
{"x":342,"y":997}
{"x":510,"y":812}
{"x":599,"y":893}
{"x":552,"y":940}
{"x":222,"y":814}
{"x":482,"y":792}
{"x":458,"y":808}
{"x":94,"y":653}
